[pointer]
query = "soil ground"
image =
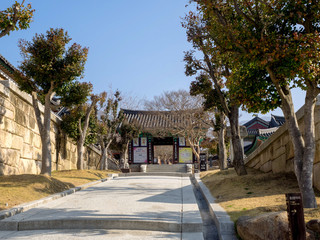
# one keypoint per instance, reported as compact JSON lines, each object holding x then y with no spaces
{"x":18,"y":189}
{"x":255,"y":193}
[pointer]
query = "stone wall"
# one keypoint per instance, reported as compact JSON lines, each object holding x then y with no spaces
{"x":276,"y":154}
{"x":20,"y":143}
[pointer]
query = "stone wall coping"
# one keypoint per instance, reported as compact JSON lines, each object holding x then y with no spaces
{"x":281,"y":130}
{"x":95,"y":149}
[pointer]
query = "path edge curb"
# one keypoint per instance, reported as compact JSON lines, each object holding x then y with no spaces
{"x":225,"y":226}
{"x":26,"y":206}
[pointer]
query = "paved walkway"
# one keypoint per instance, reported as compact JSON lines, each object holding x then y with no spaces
{"x":137,"y":207}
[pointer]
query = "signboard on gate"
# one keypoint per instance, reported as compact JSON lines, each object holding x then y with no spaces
{"x":140,"y":155}
{"x":185,"y":155}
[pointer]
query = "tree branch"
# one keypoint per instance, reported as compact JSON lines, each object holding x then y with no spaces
{"x":14,"y":21}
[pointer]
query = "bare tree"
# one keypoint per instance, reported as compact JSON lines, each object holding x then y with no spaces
{"x":193,"y":125}
{"x":174,"y":101}
{"x":184,"y":115}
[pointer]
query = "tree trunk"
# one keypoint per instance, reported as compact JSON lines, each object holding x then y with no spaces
{"x":80,"y":149}
{"x":122,"y":159}
{"x":125,"y":155}
{"x":44,"y":130}
{"x":83,"y":134}
{"x":306,"y":183}
{"x":195,"y":149}
{"x":304,"y":147}
{"x":104,"y":157}
{"x":103,"y":160}
{"x":233,"y":114}
{"x":236,"y":141}
{"x":58,"y":147}
{"x":222,"y":145}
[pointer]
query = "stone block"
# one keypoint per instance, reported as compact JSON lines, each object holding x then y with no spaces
{"x":258,"y":165}
{"x":36,"y":154}
{"x":19,"y":103}
{"x":10,"y":157}
{"x":2,"y":111}
{"x":8,"y":170}
{"x":279,"y":151}
{"x":317,"y":153}
{"x":73,"y":158}
{"x":289,"y":150}
{"x":38,"y":166}
{"x":264,"y":157}
{"x":54,"y":166}
{"x":279,"y":164}
{"x":317,"y":131}
{"x":253,"y":162}
{"x":52,"y":137}
{"x":32,"y":123}
{"x":1,"y":123}
{"x":13,"y":99}
{"x":277,"y":144}
{"x":17,"y":142}
{"x":20,"y":130}
{"x":2,"y":99}
{"x":27,"y":151}
{"x":289,"y":165}
{"x":28,"y":167}
{"x":20,"y":117}
{"x":27,"y":109}
{"x":5,"y":139}
{"x":8,"y":113}
{"x":73,"y":148}
{"x":267,"y":167}
{"x":8,"y":105}
{"x":63,"y":165}
{"x":36,"y":141}
{"x":26,"y":137}
{"x":285,"y":138}
{"x":53,"y":157}
{"x":316,"y":176}
{"x":270,"y":149}
{"x":9,"y":125}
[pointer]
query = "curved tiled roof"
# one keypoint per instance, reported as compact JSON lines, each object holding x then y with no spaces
{"x":7,"y":67}
{"x":255,"y":121}
{"x":262,"y":132}
{"x":276,"y":121}
{"x":159,"y":119}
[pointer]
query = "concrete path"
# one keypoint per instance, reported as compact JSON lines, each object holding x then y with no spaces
{"x":137,"y":207}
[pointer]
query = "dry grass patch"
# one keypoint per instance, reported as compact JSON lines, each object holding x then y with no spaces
{"x":18,"y":189}
{"x":80,"y":177}
{"x":253,"y":194}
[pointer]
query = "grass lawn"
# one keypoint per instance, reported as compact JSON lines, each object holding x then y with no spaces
{"x":18,"y":189}
{"x":255,"y":193}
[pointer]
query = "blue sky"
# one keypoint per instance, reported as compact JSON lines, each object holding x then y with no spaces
{"x":135,"y":46}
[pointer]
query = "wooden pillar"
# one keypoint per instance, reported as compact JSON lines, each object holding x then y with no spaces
{"x":150,"y":152}
{"x":130,"y":152}
{"x":175,"y":150}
